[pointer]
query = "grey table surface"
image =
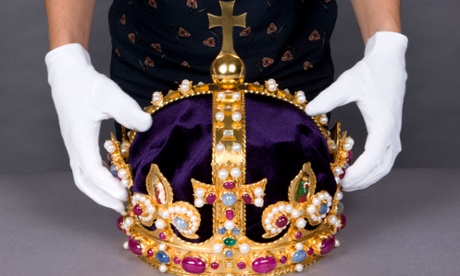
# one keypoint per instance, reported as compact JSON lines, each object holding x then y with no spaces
{"x":405,"y":225}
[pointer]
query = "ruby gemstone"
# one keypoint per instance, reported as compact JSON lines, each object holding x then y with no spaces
{"x":247,"y":198}
{"x":193,"y":265}
{"x":230,"y":214}
{"x":229,"y":185}
{"x":137,"y":210}
{"x":298,"y":235}
{"x":135,"y":246}
{"x":281,"y":221}
{"x":176,"y":260}
{"x":162,"y":236}
{"x":241,"y":265}
{"x":211,"y":198}
{"x":264,"y":264}
{"x":310,"y":251}
{"x":283,"y":259}
{"x":150,"y":253}
{"x":214,"y":265}
{"x":120,"y":223}
{"x":327,"y":245}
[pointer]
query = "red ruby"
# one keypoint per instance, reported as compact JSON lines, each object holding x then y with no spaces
{"x":176,"y":260}
{"x":343,"y":221}
{"x":342,"y":175}
{"x":135,"y":246}
{"x":281,"y":221}
{"x":229,"y":185}
{"x":162,"y":236}
{"x":298,"y":235}
{"x":349,"y":155}
{"x":211,"y":198}
{"x":214,"y":265}
{"x":120,"y":223}
{"x":193,"y":265}
{"x":283,"y":259}
{"x":230,"y":214}
{"x":264,"y":264}
{"x":247,"y":198}
{"x":137,"y":210}
{"x":109,"y":158}
{"x":327,"y":245}
{"x":241,"y":265}
{"x":310,"y":251}
{"x":150,"y":253}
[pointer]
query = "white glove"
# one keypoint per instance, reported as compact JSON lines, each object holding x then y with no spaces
{"x":83,"y":98}
{"x":377,"y":84}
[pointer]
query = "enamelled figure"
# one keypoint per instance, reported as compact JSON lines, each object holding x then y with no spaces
{"x":158,"y":43}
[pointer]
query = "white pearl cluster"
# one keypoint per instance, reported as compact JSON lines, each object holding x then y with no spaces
{"x":185,"y":86}
{"x":318,"y":200}
{"x":259,"y":193}
{"x":271,"y":84}
{"x":146,"y":203}
{"x":178,"y":211}
{"x":349,"y":143}
{"x":323,"y":119}
{"x":157,"y":97}
{"x":199,"y":201}
{"x":300,"y":97}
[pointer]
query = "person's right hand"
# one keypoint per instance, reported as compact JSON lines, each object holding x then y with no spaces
{"x":83,"y":98}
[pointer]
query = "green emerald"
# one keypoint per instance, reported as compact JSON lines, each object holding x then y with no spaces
{"x":229,"y":241}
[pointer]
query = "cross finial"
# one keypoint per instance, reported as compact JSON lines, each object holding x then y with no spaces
{"x":227,"y":21}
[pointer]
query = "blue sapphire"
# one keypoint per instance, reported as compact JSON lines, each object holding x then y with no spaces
{"x":228,"y":199}
{"x":222,"y":230}
{"x":113,"y":170}
{"x":299,"y":256}
{"x":322,"y":209}
{"x":236,"y":231}
{"x":180,"y":223}
{"x":340,"y":208}
{"x":163,"y":257}
{"x":228,"y":254}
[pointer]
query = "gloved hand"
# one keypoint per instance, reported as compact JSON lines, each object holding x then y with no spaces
{"x":377,"y":84}
{"x":83,"y":98}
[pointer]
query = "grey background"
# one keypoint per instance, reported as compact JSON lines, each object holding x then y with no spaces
{"x":30,"y":139}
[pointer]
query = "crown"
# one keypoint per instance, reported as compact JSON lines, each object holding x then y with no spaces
{"x":297,"y":231}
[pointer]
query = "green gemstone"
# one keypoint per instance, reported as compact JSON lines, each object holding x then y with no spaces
{"x":302,"y":190}
{"x":229,"y":241}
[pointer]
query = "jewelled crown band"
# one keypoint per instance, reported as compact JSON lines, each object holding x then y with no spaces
{"x":301,"y":230}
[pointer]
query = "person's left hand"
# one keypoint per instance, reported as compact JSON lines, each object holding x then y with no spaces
{"x":377,"y":84}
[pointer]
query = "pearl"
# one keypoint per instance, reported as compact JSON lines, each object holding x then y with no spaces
{"x":123,"y":174}
{"x":332,"y":220}
{"x":338,"y":170}
{"x":220,"y":116}
{"x":217,"y":248}
{"x":275,"y":210}
{"x":281,"y":208}
{"x":337,"y":243}
{"x":321,"y":197}
{"x":163,"y":268}
{"x":316,"y":201}
{"x":126,"y":245}
{"x":299,"y":267}
{"x":164,"y":215}
{"x":301,"y":99}
{"x":220,"y":148}
{"x":300,"y":223}
{"x":288,"y":209}
{"x":229,"y":225}
{"x":271,"y":81}
{"x":311,"y":209}
{"x":299,"y":246}
{"x":323,"y":120}
{"x":222,"y":174}
{"x":151,"y":210}
{"x":160,"y":224}
{"x":259,"y":202}
{"x":220,"y":95}
{"x":128,"y":222}
{"x":259,"y":191}
{"x":337,"y":179}
{"x":236,"y":147}
{"x":350,"y":140}
{"x":236,"y":96}
{"x":339,"y":195}
{"x":244,"y":248}
{"x":156,"y":97}
{"x":235,"y":172}
{"x":269,"y":227}
{"x":236,"y":116}
{"x":273,"y":231}
{"x":295,"y":213}
{"x":124,"y":183}
{"x":271,"y":87}
{"x":162,"y":247}
{"x":109,"y":146}
{"x":199,"y":202}
{"x":137,"y":197}
{"x":347,"y":146}
{"x":199,"y":192}
{"x":267,"y":221}
{"x":200,"y":83}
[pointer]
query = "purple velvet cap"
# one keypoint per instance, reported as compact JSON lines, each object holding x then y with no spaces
{"x":280,"y":139}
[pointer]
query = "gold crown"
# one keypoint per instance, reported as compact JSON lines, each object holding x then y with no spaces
{"x":229,"y":251}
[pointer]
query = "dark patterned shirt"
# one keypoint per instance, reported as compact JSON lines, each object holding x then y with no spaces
{"x":158,"y":43}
